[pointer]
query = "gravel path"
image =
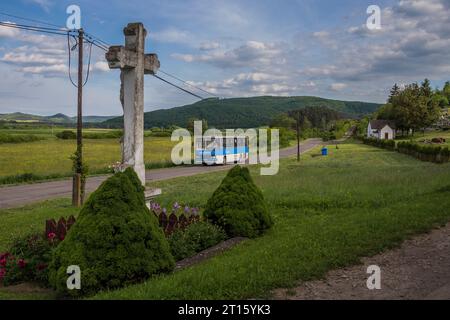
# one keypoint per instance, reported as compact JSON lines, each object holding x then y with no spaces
{"x":419,"y":269}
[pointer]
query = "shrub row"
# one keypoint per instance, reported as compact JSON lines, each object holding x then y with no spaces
{"x":71,"y":135}
{"x":18,"y":138}
{"x":386,"y":144}
{"x":435,"y":154}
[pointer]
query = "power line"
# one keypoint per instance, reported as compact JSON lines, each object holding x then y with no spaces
{"x":101,"y":44}
{"x":69,"y":48}
{"x":48,"y":31}
{"x":93,"y":41}
{"x":34,"y":28}
{"x":187,"y":83}
{"x":31,"y":20}
{"x":174,"y":85}
{"x":98,"y":40}
{"x":13,"y":24}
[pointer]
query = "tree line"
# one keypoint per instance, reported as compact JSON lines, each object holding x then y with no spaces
{"x":415,"y":107}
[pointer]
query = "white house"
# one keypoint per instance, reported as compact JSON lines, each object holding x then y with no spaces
{"x":381,"y":129}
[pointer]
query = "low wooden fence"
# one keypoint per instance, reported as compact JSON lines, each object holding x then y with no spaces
{"x":58,"y":229}
{"x":173,"y":222}
{"x":169,"y":223}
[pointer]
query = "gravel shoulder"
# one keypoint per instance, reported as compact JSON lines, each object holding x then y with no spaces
{"x":419,"y":269}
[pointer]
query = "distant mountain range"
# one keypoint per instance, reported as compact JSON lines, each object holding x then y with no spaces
{"x":56,"y":118}
{"x":220,"y":113}
{"x":243,"y":112}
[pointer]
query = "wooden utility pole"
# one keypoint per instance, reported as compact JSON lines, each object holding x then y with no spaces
{"x":297,"y":120}
{"x":78,"y":186}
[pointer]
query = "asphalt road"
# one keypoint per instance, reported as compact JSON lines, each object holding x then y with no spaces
{"x":16,"y":196}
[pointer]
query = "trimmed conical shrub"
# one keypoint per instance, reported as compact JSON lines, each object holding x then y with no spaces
{"x":238,"y":205}
{"x":116,"y":241}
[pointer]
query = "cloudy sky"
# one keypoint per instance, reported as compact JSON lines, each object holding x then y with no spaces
{"x":231,"y":48}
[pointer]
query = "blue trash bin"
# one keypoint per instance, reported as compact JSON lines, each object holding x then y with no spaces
{"x":324,"y":151}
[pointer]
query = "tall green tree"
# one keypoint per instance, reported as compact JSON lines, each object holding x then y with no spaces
{"x":425,"y":88}
{"x":394,"y":92}
{"x":446,"y":90}
{"x":190,"y":124}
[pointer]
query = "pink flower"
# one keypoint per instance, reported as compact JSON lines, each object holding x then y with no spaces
{"x":3,"y":262}
{"x":2,"y":273}
{"x":51,"y":235}
{"x":4,"y":255}
{"x":21,"y":263}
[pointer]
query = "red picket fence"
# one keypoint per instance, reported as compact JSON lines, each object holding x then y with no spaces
{"x":173,"y":222}
{"x":59,"y":228}
{"x":168,"y":223}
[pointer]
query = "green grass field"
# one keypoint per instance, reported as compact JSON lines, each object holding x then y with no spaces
{"x":50,"y":157}
{"x":328,"y":211}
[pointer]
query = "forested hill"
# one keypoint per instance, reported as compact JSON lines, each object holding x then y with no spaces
{"x":243,"y":112}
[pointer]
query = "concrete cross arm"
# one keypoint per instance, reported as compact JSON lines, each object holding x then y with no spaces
{"x":151,"y":63}
{"x":119,"y":57}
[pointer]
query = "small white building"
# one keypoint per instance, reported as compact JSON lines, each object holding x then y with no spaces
{"x":381,"y":129}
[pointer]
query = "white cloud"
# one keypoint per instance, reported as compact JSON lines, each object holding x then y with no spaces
{"x":44,"y":55}
{"x":101,"y":66}
{"x":211,"y":45}
{"x":7,"y":32}
{"x":34,"y":58}
{"x":44,"y":4}
{"x":413,"y":44}
{"x":338,"y":86}
{"x":172,"y":35}
{"x":46,"y":70}
{"x":251,"y":53}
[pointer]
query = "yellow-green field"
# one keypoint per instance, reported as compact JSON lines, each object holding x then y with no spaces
{"x":52,"y":156}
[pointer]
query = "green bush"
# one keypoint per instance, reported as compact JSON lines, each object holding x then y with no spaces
{"x":380,"y":143}
{"x":66,"y":135}
{"x":160,"y":134}
{"x":116,"y":241}
{"x":431,"y":153}
{"x":194,"y":238}
{"x":115,"y":134}
{"x":238,"y":206}
{"x":18,"y":138}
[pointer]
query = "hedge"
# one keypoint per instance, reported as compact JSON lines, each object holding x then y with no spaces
{"x":18,"y":138}
{"x":429,"y":153}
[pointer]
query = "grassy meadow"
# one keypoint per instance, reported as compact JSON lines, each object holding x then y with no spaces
{"x":433,"y":134}
{"x":328,"y":212}
{"x":50,"y":157}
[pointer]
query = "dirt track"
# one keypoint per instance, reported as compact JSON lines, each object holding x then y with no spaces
{"x":419,"y":269}
{"x":19,"y":195}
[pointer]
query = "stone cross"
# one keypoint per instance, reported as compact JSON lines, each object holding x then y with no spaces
{"x":133,"y":64}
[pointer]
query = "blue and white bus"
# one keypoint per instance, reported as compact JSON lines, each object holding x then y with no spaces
{"x":210,"y":150}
